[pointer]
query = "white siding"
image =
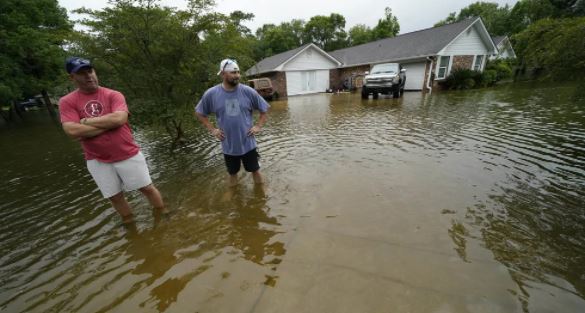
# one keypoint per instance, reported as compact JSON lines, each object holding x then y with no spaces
{"x":322,"y":80}
{"x":310,"y":59}
{"x":415,"y":75}
{"x":468,"y":43}
{"x":305,"y":82}
{"x":293,"y":83}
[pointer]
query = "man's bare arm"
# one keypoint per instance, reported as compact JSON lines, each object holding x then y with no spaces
{"x":215,"y":132}
{"x":79,"y":131}
{"x":107,"y":121}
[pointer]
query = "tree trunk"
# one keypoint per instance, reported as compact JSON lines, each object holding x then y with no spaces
{"x":48,"y":103}
{"x":4,"y":116}
{"x":14,"y":108}
{"x":178,"y":131}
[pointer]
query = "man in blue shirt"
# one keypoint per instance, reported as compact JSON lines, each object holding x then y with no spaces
{"x":234,"y":104}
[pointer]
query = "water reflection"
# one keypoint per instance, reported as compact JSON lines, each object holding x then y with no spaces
{"x":539,"y":244}
{"x":454,"y":202}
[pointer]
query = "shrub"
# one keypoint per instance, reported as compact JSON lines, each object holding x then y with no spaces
{"x":468,"y":79}
{"x":555,"y":46}
{"x":489,"y":77}
{"x":502,"y":68}
{"x":463,"y":79}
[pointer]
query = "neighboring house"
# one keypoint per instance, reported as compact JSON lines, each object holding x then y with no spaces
{"x":437,"y":50}
{"x":299,"y":71}
{"x":505,"y":50}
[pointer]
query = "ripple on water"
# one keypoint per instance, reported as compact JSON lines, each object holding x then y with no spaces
{"x":519,"y":157}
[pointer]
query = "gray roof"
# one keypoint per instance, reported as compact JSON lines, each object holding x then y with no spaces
{"x":498,"y":39}
{"x":418,"y":44}
{"x":422,"y":43}
{"x":270,"y":63}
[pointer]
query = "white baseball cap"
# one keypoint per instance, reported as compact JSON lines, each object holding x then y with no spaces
{"x":228,"y":65}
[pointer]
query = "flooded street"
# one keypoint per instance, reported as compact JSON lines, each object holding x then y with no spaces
{"x":455,"y":202}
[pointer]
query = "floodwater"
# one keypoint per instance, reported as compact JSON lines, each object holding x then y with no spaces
{"x":454,"y":202}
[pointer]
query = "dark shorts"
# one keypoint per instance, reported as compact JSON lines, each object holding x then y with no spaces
{"x":250,"y":160}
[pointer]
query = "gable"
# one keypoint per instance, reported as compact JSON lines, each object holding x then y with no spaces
{"x":308,"y":59}
{"x":506,"y":50}
{"x":469,"y":42}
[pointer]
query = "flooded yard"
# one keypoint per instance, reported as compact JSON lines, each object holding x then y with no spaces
{"x":453,"y":202}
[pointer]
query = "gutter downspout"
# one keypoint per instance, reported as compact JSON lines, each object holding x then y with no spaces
{"x":430,"y":87}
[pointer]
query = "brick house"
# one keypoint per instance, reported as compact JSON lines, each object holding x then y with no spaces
{"x":436,"y":51}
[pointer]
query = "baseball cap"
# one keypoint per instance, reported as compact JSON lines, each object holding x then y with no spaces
{"x":228,"y":65}
{"x":74,"y":64}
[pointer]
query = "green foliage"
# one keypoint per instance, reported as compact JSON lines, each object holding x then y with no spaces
{"x":327,"y":32}
{"x":162,"y":58}
{"x":555,"y":46}
{"x":274,"y":39}
{"x":493,"y":16}
{"x":506,"y":21}
{"x":452,"y":18}
{"x":527,"y":12}
{"x":468,"y":79}
{"x":502,"y":68}
{"x":32,"y":33}
{"x":488,"y":78}
{"x":387,"y":26}
{"x":360,"y":34}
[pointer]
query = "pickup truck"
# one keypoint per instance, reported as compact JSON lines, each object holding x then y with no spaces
{"x":385,"y":78}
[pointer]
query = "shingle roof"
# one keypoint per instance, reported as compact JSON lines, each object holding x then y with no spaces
{"x":417,"y":44}
{"x":497,"y":39}
{"x":270,"y":63}
{"x":422,"y":43}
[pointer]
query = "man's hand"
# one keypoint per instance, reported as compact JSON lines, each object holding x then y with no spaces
{"x":218,"y":133}
{"x":254,"y":130}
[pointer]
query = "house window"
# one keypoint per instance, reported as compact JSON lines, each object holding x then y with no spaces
{"x":478,"y":62}
{"x":443,"y":66}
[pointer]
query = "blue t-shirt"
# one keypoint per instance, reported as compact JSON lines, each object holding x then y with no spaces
{"x":234,"y":115}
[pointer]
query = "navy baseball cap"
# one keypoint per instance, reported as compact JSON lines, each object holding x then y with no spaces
{"x":74,"y":64}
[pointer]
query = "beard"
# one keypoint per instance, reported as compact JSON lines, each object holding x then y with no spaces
{"x":233,"y":82}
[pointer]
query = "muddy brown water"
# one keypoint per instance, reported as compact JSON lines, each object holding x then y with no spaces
{"x":454,"y":202}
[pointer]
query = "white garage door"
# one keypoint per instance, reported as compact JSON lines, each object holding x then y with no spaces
{"x":304,"y":82}
{"x":415,"y":75}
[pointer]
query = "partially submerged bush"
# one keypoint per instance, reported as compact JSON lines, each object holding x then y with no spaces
{"x":502,"y":67}
{"x":468,"y":79}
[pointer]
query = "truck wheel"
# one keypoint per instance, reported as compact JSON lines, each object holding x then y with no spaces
{"x":396,"y":93}
{"x":364,"y":92}
{"x":375,"y":95}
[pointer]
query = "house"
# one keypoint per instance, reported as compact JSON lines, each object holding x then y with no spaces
{"x":299,"y":71}
{"x":436,"y":51}
{"x":505,"y":50}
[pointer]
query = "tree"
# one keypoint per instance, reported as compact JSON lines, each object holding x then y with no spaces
{"x":276,"y":39}
{"x":569,"y":8}
{"x":387,"y":27}
{"x":452,"y":18}
{"x":526,"y":12}
{"x":556,"y":46}
{"x":360,"y":34}
{"x":327,"y":32}
{"x":162,"y":58}
{"x":493,"y":16}
{"x":32,"y":34}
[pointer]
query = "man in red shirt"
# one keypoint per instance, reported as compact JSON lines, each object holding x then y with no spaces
{"x":98,"y":117}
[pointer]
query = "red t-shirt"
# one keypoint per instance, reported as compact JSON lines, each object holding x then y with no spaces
{"x":111,"y":146}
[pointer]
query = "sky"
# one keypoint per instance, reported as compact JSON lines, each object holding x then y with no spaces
{"x":412,"y":15}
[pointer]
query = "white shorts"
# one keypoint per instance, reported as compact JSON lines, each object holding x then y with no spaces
{"x":130,"y":174}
